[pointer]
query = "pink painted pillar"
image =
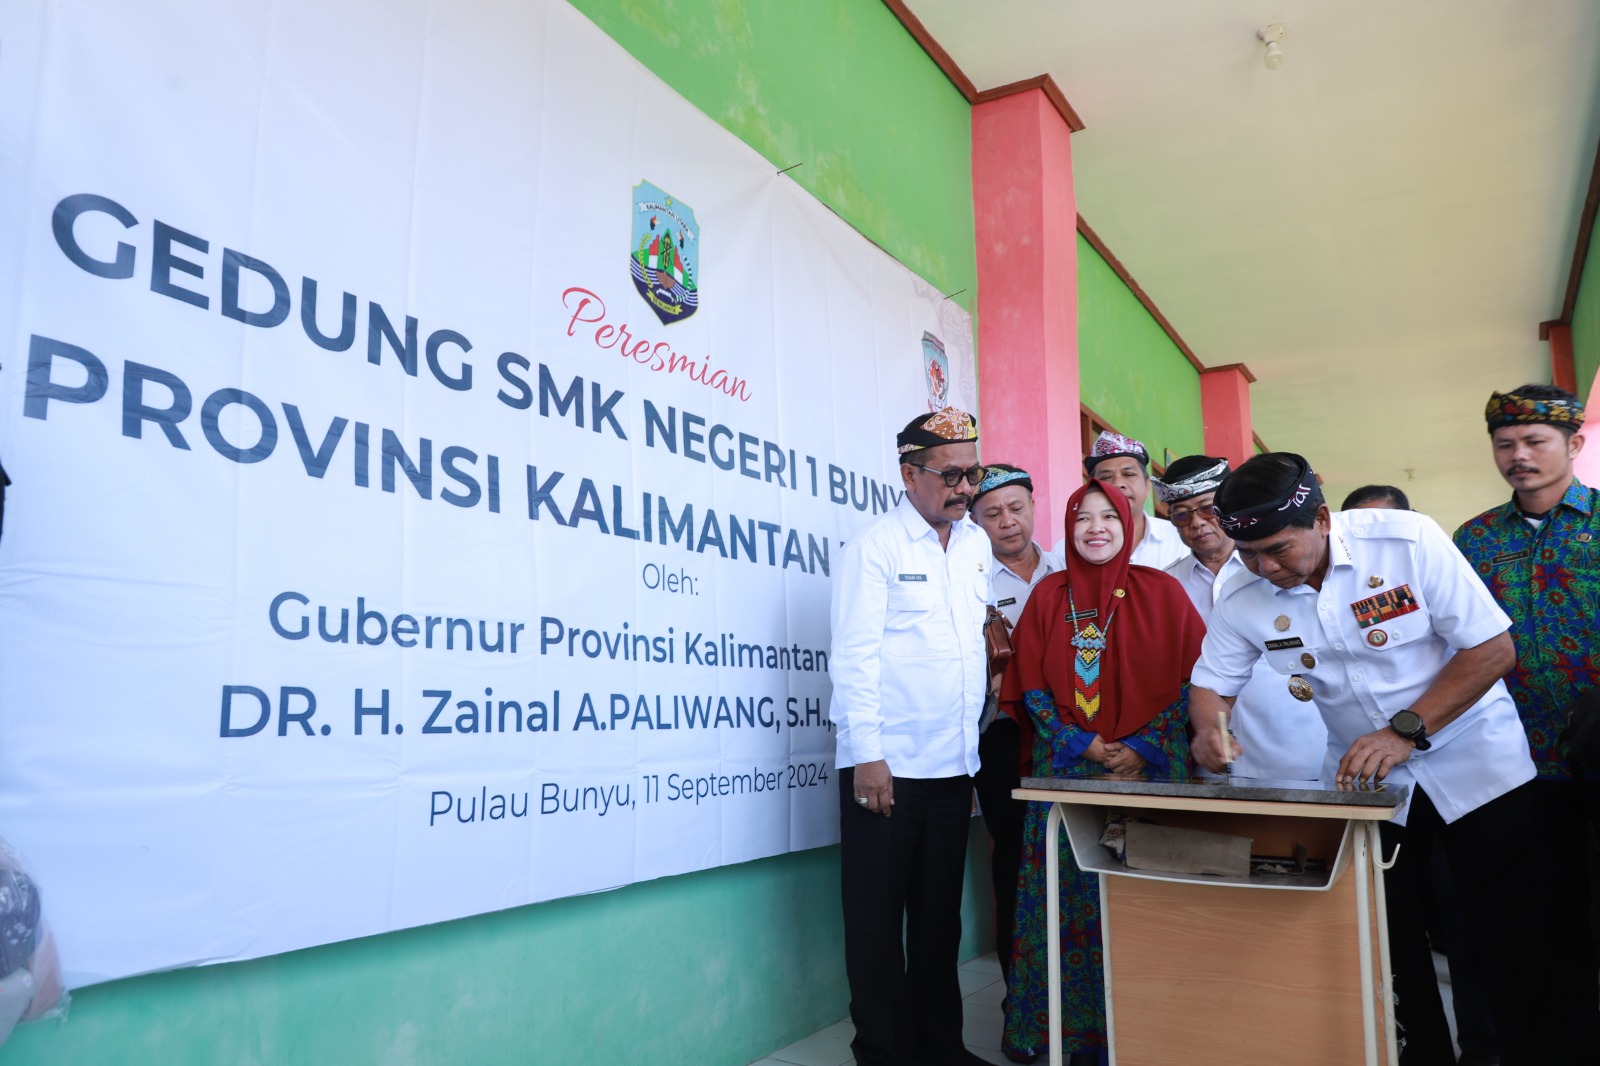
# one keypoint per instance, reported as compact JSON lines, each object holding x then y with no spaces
{"x":1225,"y":410}
{"x":1026,"y":226}
{"x":1587,"y":465}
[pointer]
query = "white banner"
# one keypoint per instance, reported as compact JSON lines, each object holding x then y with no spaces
{"x":430,"y":440}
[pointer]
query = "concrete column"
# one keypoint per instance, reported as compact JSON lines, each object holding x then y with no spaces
{"x":1225,"y":410}
{"x":1587,"y":465}
{"x":1563,"y":374}
{"x":1026,"y":223}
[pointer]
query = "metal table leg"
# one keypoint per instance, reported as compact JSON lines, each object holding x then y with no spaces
{"x":1361,"y":868}
{"x":1052,"y":887}
{"x":1387,"y":999}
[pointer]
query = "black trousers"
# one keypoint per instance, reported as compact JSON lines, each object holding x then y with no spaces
{"x":999,"y":749}
{"x":1515,"y":863}
{"x":905,"y":872}
{"x":1472,"y":979}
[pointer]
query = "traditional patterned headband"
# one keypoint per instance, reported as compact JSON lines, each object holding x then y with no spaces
{"x":1514,"y":409}
{"x":1208,"y":479}
{"x":1265,"y":519}
{"x":949,"y":426}
{"x":994,"y":479}
{"x":1112,"y":445}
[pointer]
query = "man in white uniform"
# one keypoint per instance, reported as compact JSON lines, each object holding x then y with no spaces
{"x":1283,"y":738}
{"x":1003,"y":506}
{"x":1376,"y":616}
{"x":1124,"y":463}
{"x":909,"y":672}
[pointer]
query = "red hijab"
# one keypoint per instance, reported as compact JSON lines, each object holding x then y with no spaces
{"x":1152,"y":634}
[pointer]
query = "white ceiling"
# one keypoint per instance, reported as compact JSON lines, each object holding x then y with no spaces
{"x":1377,"y":228}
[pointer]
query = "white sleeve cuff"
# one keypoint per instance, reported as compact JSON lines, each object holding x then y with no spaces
{"x":1204,"y":677}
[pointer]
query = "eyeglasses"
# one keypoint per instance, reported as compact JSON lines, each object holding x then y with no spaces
{"x":953,"y":476}
{"x":1183,"y":518}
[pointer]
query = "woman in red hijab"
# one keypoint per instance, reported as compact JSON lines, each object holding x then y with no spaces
{"x":1103,"y":654}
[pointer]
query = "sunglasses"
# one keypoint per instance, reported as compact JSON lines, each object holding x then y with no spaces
{"x":1183,"y":518}
{"x":953,"y":477}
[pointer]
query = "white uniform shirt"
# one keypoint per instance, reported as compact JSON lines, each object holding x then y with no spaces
{"x":1283,"y":739}
{"x":1008,"y":592}
{"x":1365,"y":674}
{"x":1160,"y":548}
{"x":908,"y":662}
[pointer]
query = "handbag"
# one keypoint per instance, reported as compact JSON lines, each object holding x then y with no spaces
{"x":997,"y":640}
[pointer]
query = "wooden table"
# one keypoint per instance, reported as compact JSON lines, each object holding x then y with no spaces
{"x":1204,"y":969}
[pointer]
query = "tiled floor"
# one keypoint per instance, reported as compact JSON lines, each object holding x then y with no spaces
{"x":982,"y":990}
{"x":980,"y":985}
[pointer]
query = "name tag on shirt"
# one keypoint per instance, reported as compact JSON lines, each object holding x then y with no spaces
{"x":913,"y":577}
{"x":1079,"y":616}
{"x":1510,"y":557}
{"x":1385,"y":606}
{"x":1287,"y":642}
{"x":1007,"y":602}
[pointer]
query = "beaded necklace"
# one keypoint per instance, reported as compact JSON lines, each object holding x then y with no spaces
{"x":1089,"y":642}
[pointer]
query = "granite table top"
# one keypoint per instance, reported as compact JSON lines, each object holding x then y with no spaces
{"x":1238,"y":788}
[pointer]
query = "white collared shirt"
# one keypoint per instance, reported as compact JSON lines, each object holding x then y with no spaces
{"x":1422,"y":603}
{"x":1008,"y":592}
{"x":1160,"y":548}
{"x":908,"y":660}
{"x":1283,"y":739}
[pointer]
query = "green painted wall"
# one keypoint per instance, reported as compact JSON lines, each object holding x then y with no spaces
{"x":1130,"y":372}
{"x":1586,"y":326}
{"x":713,"y":968}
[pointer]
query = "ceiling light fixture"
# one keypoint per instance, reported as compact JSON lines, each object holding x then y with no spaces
{"x":1272,"y":36}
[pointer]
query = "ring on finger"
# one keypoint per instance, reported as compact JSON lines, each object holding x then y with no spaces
{"x":862,"y":800}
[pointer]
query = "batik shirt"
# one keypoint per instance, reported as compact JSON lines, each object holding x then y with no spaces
{"x":1548,"y":581}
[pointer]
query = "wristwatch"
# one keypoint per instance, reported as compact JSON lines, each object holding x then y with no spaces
{"x":1409,"y":725}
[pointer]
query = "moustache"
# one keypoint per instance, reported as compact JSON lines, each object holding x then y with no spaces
{"x":1522,"y":470}
{"x":962,"y":500}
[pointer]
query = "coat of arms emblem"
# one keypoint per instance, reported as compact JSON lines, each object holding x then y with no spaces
{"x":935,"y":372}
{"x":666,"y":254}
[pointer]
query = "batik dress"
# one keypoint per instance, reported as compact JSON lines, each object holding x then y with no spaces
{"x":1101,"y":650}
{"x":1058,"y":748}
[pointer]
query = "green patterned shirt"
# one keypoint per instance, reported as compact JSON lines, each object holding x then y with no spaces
{"x":1548,"y":581}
